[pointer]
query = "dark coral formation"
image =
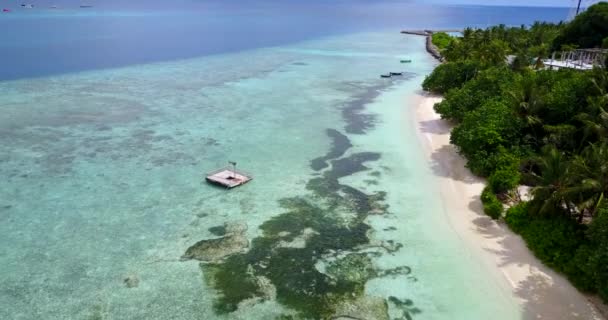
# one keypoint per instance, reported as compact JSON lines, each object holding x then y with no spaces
{"x":212,"y":250}
{"x":316,"y":257}
{"x":357,"y":121}
{"x":339,"y":145}
{"x":282,"y":262}
{"x":291,"y":270}
{"x":131,"y":281}
{"x":218,"y":230}
{"x":361,"y":308}
{"x":215,"y":250}
{"x":405,"y":306}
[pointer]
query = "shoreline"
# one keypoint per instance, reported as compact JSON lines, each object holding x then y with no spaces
{"x":541,"y":292}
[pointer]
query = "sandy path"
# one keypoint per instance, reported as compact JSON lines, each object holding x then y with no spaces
{"x":541,"y":292}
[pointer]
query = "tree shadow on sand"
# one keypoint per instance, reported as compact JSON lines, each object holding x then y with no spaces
{"x":544,"y":291}
{"x":435,"y":126}
{"x":444,"y":159}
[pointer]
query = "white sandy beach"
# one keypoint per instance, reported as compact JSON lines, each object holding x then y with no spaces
{"x":541,"y":292}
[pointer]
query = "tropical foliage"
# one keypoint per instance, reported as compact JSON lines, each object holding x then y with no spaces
{"x":441,"y":40}
{"x":491,"y":205}
{"x":450,"y":76}
{"x":519,"y":123}
{"x":588,"y":30}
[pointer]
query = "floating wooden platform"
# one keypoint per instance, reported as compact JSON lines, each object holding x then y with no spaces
{"x":228,"y":177}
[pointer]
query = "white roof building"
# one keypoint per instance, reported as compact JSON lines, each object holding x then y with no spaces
{"x":579,"y":59}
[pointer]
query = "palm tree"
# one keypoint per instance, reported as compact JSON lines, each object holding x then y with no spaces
{"x":526,"y":101}
{"x":595,"y":120}
{"x":522,"y":60}
{"x":595,"y":123}
{"x":467,"y":33}
{"x":589,"y":172}
{"x":493,"y":52}
{"x":540,"y":51}
{"x":549,"y":194}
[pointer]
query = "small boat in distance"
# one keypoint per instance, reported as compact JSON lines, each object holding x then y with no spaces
{"x":388,"y":75}
{"x":406,"y":61}
{"x":86,"y":6}
{"x":6,"y":10}
{"x":27,"y":6}
{"x":396,"y":73}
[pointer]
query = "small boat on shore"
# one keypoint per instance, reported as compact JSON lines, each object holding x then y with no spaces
{"x":396,"y":73}
{"x":388,"y":75}
{"x":406,"y":61}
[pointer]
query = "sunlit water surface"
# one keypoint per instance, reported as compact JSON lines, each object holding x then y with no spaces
{"x":103,"y":188}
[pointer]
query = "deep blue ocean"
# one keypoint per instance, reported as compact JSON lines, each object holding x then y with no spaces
{"x":43,"y":41}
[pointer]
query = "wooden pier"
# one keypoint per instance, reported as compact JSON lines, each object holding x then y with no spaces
{"x":228,"y":177}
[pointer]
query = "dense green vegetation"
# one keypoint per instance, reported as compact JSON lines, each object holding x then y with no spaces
{"x":518,"y":123}
{"x":451,"y":75}
{"x":579,"y":251}
{"x":491,"y":205}
{"x":589,"y":31}
{"x":441,"y":40}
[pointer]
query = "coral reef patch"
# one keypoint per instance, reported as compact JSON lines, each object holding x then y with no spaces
{"x":357,"y":121}
{"x":316,"y":257}
{"x":339,"y":144}
{"x":214,"y":250}
{"x":131,"y":281}
{"x":326,"y":227}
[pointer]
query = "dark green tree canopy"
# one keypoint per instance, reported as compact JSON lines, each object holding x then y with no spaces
{"x":517,"y":122}
{"x":587,"y":30}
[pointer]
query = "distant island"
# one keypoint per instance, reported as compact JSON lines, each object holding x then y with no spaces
{"x":530,"y":112}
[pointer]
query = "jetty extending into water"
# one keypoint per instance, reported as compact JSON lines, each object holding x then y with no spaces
{"x":428,"y":32}
{"x":430,"y":47}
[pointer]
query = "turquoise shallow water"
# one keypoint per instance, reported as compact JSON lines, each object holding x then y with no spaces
{"x":103,"y":181}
